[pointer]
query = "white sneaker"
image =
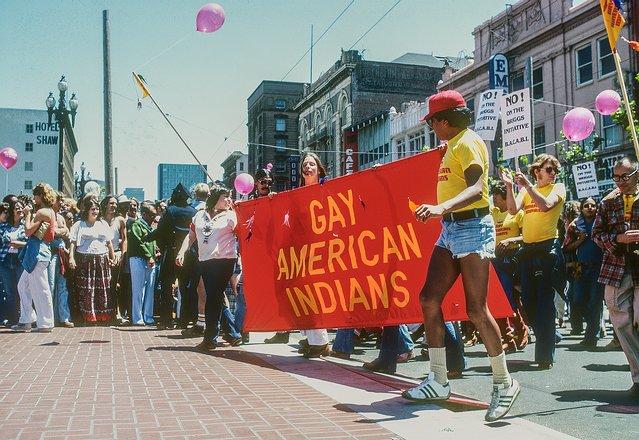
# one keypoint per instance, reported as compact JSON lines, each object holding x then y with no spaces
{"x":501,"y":401}
{"x":428,"y":390}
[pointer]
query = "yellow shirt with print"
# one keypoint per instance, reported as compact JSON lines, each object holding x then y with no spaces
{"x":538,"y":225}
{"x":464,"y":150}
{"x":507,"y":225}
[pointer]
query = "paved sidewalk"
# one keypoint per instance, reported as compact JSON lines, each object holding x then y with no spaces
{"x":139,"y":383}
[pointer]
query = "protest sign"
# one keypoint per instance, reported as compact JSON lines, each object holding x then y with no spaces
{"x":516,"y":124}
{"x":488,"y":114}
{"x":585,"y":175}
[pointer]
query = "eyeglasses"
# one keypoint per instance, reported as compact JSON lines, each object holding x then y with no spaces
{"x":430,"y":122}
{"x":551,"y":170}
{"x":624,"y":177}
{"x":267,"y":182}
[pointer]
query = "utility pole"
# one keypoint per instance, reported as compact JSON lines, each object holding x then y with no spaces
{"x":108,"y":147}
{"x":116,"y":181}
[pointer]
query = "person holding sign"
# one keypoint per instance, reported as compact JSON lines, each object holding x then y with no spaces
{"x":541,"y":250}
{"x":616,"y":232}
{"x":465,"y":246}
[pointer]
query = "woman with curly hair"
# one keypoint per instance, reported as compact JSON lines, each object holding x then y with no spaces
{"x":33,"y":286}
{"x":91,"y":256}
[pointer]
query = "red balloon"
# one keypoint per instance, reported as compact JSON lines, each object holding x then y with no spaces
{"x":8,"y":157}
{"x":210,"y":18}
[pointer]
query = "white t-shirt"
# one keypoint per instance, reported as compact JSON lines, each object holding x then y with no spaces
{"x":216,"y":237}
{"x":91,"y":239}
{"x":13,"y":235}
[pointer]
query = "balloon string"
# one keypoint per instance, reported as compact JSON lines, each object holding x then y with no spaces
{"x":166,"y":50}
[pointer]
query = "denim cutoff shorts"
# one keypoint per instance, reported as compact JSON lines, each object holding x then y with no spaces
{"x":472,"y":236}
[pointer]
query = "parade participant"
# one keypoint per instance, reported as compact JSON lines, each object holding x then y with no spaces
{"x":616,"y":231}
{"x":109,"y":213}
{"x":541,"y":251}
{"x":465,"y":246}
{"x":514,"y":331}
{"x":172,"y":228}
{"x":214,"y":230}
{"x":312,"y":171}
{"x":55,"y":271}
{"x":34,"y":284}
{"x":263,"y":184}
{"x":91,"y":255}
{"x":142,"y":262}
{"x":12,"y":239}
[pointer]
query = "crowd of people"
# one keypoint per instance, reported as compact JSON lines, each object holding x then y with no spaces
{"x":169,"y":264}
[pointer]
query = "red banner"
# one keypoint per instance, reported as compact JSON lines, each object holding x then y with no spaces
{"x":347,"y":252}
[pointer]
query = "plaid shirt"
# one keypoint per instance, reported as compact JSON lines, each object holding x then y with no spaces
{"x":608,"y":224}
{"x":5,"y":240}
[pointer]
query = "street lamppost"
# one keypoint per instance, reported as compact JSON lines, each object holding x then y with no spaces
{"x":61,"y":113}
{"x":80,"y":181}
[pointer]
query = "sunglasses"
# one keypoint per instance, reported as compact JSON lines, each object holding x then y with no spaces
{"x":429,"y":122}
{"x":551,"y":170}
{"x":590,"y":205}
{"x":624,"y":177}
{"x":265,"y":182}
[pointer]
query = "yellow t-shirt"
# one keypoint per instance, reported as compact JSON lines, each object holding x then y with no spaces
{"x":628,"y":200}
{"x":539,"y":226}
{"x":507,"y":225}
{"x":464,"y":150}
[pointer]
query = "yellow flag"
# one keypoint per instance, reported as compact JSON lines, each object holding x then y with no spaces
{"x":613,"y":19}
{"x":145,"y":91}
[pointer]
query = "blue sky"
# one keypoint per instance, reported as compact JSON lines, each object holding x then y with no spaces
{"x":201,"y":80}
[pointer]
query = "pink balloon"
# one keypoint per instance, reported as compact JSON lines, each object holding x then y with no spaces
{"x":8,"y":157}
{"x":578,"y":124}
{"x":244,"y":183}
{"x":269,"y":166}
{"x":210,"y":18}
{"x":607,"y":102}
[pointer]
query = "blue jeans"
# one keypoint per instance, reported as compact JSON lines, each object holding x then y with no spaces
{"x":588,"y":296}
{"x":10,"y":271}
{"x":455,"y":359}
{"x":395,"y":341}
{"x":505,"y":279}
{"x":538,"y":297}
{"x":343,"y":341}
{"x":142,"y":290}
{"x":216,"y":274}
{"x":228,"y":323}
{"x":240,"y":308}
{"x":59,"y":291}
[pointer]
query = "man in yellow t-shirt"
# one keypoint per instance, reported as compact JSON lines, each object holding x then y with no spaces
{"x":465,"y":246}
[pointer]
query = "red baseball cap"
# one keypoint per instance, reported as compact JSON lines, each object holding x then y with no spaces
{"x":443,"y":101}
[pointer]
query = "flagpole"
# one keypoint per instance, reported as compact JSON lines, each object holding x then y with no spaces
{"x":633,"y":131}
{"x":146,"y":90}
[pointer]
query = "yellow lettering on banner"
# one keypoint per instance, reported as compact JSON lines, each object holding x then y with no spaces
{"x":362,"y":250}
{"x":290,"y":298}
{"x":390,"y":247}
{"x":282,"y":264}
{"x":334,"y":214}
{"x":318,"y":223}
{"x":407,"y":241}
{"x":298,"y":265}
{"x":378,"y":290}
{"x":306,"y":299}
{"x":335,"y":249}
{"x":348,"y":201}
{"x":313,"y":258}
{"x":351,"y":251}
{"x":340,"y":293}
{"x":318,"y":291}
{"x":357,"y":295}
{"x":400,"y":289}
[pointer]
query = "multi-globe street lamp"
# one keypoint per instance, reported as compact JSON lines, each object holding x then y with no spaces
{"x":61,"y":113}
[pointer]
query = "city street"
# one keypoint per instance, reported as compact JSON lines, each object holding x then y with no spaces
{"x":141,"y":383}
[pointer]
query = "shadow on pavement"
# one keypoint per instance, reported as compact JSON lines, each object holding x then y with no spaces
{"x":616,"y":401}
{"x":514,"y":366}
{"x":607,"y":367}
{"x":229,"y":353}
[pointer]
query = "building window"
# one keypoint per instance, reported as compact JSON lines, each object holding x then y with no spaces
{"x":470,"y":103}
{"x":540,"y":140}
{"x":28,"y":185}
{"x":584,"y":65}
{"x":28,"y":166}
{"x":610,"y":131}
{"x":280,"y":104}
{"x":401,"y":148}
{"x":241,"y":166}
{"x":416,"y":143}
{"x":538,"y":83}
{"x":28,"y":146}
{"x":29,"y":128}
{"x":517,"y":81}
{"x":605,"y":57}
{"x":280,"y":145}
{"x":280,"y":124}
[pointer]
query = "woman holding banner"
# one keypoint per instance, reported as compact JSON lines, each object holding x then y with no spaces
{"x":541,"y":251}
{"x":313,"y":172}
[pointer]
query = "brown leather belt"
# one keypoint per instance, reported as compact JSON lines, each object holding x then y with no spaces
{"x":466,"y":215}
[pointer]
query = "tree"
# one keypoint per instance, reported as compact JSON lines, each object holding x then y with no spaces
{"x":621,"y":117}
